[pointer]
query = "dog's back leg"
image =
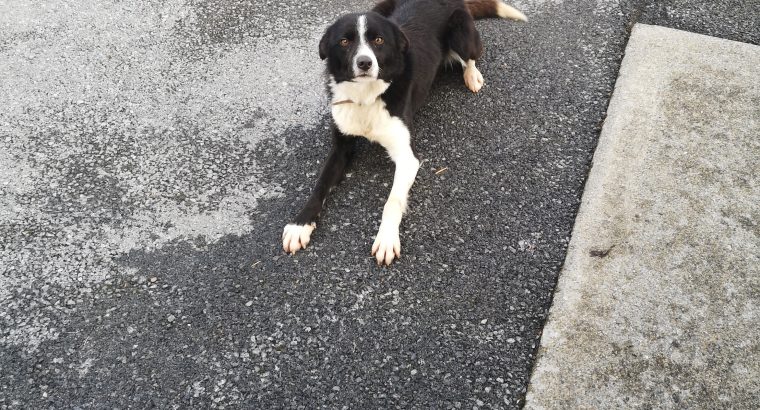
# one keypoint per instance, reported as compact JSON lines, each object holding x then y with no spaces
{"x":465,"y":47}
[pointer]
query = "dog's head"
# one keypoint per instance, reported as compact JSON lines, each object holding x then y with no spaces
{"x":364,"y":47}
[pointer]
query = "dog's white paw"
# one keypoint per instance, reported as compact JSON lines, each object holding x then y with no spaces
{"x":387,"y":246}
{"x":473,"y":79}
{"x":295,"y":237}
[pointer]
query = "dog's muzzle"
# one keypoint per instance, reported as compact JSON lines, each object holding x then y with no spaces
{"x":365,"y":67}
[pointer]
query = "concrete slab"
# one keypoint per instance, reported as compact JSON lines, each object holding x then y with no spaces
{"x":657,"y":304}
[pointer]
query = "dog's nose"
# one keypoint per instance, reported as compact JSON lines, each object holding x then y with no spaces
{"x":364,"y":63}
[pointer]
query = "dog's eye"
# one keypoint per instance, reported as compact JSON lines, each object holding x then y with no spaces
{"x":343,"y":42}
{"x":379,"y":40}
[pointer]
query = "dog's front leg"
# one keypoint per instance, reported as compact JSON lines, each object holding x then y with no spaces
{"x":396,"y":141}
{"x":297,"y":234}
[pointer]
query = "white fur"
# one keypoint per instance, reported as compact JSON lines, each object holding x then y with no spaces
{"x":295,"y":237}
{"x":362,"y":92}
{"x":508,"y":12}
{"x":367,"y":117}
{"x":364,"y":49}
{"x":454,"y":57}
{"x":473,"y":79}
{"x":387,"y":245}
{"x":371,"y":121}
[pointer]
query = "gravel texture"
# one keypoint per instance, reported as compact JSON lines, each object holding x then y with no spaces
{"x":151,"y":152}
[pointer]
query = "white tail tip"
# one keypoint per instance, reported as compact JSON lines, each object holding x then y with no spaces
{"x":508,"y":12}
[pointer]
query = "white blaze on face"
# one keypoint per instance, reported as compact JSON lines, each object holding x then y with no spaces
{"x":364,"y":49}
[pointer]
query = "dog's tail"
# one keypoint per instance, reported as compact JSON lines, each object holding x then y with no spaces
{"x":493,"y":8}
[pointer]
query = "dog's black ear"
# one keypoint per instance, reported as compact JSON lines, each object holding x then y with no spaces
{"x":385,"y":7}
{"x":323,"y":44}
{"x":402,"y":39}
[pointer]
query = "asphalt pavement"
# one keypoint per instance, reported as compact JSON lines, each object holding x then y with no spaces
{"x":151,"y":152}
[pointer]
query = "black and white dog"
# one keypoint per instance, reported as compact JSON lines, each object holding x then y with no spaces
{"x":381,"y":65}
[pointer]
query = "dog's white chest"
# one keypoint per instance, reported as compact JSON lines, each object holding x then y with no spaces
{"x":357,"y":110}
{"x":367,"y":121}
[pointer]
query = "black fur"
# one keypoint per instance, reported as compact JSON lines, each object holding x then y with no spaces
{"x":332,"y":173}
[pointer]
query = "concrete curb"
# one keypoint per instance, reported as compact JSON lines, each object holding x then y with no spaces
{"x":657,"y":304}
